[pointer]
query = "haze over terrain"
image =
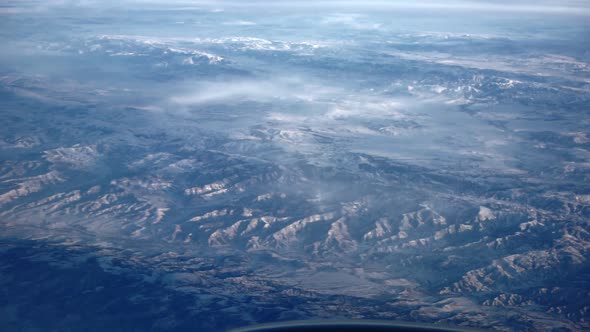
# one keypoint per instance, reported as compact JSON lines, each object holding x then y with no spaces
{"x":203,"y":165}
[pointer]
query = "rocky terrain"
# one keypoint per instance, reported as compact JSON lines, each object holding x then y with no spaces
{"x":215,"y":174}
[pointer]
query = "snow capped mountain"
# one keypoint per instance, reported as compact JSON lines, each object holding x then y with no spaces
{"x":212,"y":168}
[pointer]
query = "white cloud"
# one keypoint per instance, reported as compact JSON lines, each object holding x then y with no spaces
{"x":239,"y":23}
{"x":260,"y":90}
{"x":212,"y":92}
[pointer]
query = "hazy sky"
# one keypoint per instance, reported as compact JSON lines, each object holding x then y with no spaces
{"x":497,"y":5}
{"x":545,"y":6}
